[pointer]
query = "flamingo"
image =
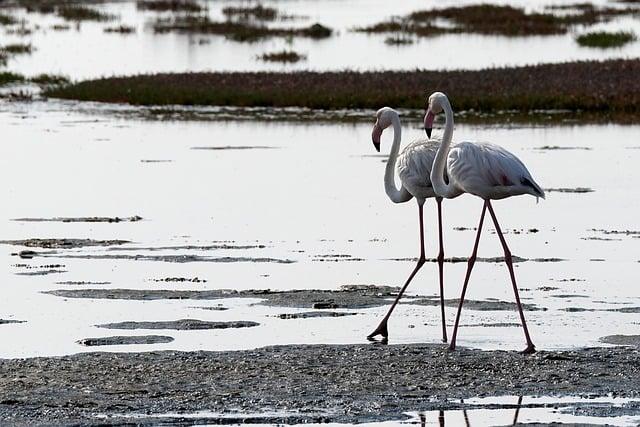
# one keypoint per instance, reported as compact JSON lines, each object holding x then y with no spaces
{"x":483,"y":170}
{"x":414,"y":168}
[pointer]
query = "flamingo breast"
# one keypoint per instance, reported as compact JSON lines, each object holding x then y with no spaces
{"x":414,"y":167}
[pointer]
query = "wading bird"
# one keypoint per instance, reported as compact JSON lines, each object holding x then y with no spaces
{"x":414,"y":169}
{"x":484,"y":170}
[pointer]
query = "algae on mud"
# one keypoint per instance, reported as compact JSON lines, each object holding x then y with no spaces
{"x":602,"y":88}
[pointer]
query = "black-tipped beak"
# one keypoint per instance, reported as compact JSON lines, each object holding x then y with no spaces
{"x":428,"y":122}
{"x":375,"y":136}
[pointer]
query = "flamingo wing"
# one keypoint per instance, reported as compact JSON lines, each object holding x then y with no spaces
{"x":490,"y":171}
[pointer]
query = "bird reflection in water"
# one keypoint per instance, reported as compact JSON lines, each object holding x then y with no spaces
{"x":441,"y":418}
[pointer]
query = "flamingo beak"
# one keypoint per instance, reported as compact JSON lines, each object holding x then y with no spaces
{"x":428,"y":122}
{"x":375,"y":136}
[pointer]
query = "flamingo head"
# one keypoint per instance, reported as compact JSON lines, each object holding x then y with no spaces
{"x":384,"y":119}
{"x":435,"y":106}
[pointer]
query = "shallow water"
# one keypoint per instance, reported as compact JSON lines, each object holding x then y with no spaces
{"x":272,"y":218}
{"x":146,"y":52}
{"x":503,"y":410}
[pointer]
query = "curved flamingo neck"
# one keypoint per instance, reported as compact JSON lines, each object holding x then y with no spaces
{"x":440,"y":187}
{"x":396,"y":195}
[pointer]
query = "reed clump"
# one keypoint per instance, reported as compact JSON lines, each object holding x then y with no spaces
{"x":604,"y":39}
{"x":287,"y":56}
{"x":170,"y":5}
{"x":498,"y":20}
{"x":78,"y":12}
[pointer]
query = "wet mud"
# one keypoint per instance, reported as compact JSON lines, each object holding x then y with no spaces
{"x":347,"y":297}
{"x":631,"y":340}
{"x":115,"y":219}
{"x":236,"y":147}
{"x":180,"y":325}
{"x":313,"y":314}
{"x":62,"y":243}
{"x":323,"y":383}
{"x":10,"y":321}
{"x":125,"y":340}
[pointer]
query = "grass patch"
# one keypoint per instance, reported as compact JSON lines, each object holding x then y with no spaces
{"x":120,"y":29}
{"x":603,"y":39}
{"x":287,"y":56}
{"x":17,"y":49}
{"x":76,"y":12}
{"x":49,"y":79}
{"x":7,"y":19}
{"x":498,"y":20}
{"x":257,"y":12}
{"x":606,"y":87}
{"x":8,"y":77}
{"x":238,"y":31}
{"x":169,"y":5}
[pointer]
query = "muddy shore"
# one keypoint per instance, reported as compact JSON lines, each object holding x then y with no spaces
{"x":322,"y":383}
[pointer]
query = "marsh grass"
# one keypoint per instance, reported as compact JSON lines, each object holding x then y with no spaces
{"x":121,"y":29}
{"x":609,"y":87}
{"x":236,"y":30}
{"x":7,"y":19}
{"x":17,"y":49}
{"x":286,"y":56}
{"x":604,"y":40}
{"x":49,"y":79}
{"x":169,"y":5}
{"x":258,"y":12}
{"x":8,"y":77}
{"x":498,"y":20}
{"x":77,"y":12}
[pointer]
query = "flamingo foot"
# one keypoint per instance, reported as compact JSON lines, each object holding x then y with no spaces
{"x":452,"y":346}
{"x":380,"y":330}
{"x":530,"y":349}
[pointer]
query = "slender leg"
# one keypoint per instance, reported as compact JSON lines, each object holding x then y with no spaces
{"x":441,"y":418}
{"x":465,"y":415}
{"x":508,"y":259}
{"x":472,"y":260}
{"x":441,"y":267}
{"x":382,"y":327}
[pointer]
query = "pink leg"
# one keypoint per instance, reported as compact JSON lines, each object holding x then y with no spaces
{"x":472,"y":260}
{"x":508,"y":259}
{"x":440,"y":268}
{"x":382,"y":327}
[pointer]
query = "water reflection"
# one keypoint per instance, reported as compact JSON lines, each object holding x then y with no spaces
{"x":441,"y":416}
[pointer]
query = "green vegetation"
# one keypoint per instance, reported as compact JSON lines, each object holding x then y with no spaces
{"x":49,"y":79}
{"x":17,"y":49}
{"x":13,"y":49}
{"x":257,"y":12}
{"x":8,"y":77}
{"x":603,"y":88}
{"x":76,"y":12}
{"x":283,"y":56}
{"x":169,"y":5}
{"x":238,"y":31}
{"x":495,"y":19}
{"x":603,"y":39}
{"x":7,"y":19}
{"x":121,"y":29}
